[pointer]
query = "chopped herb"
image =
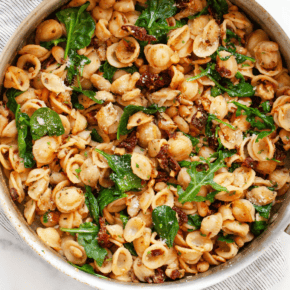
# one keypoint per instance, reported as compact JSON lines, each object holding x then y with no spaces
{"x":264,"y":211}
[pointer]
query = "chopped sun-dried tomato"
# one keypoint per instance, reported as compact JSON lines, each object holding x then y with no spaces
{"x":139,"y":33}
{"x":103,"y":237}
{"x":166,"y":161}
{"x":182,"y":217}
{"x":130,"y":142}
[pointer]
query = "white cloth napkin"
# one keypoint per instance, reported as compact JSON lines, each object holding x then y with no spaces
{"x":263,"y":274}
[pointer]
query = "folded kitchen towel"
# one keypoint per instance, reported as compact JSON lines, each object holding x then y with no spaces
{"x":265,"y":272}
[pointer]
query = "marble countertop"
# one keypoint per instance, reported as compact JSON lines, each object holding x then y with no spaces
{"x":22,"y":269}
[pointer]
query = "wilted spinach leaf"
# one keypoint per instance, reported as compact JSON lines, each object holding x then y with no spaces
{"x":195,"y":221}
{"x":92,"y":204}
{"x":227,"y":238}
{"x":165,"y":223}
{"x":109,"y":70}
{"x":123,"y":175}
{"x":130,"y":248}
{"x":87,"y":237}
{"x":89,"y":94}
{"x":264,"y":211}
{"x":45,"y":121}
{"x":49,"y":44}
{"x":124,"y":218}
{"x":108,"y":195}
{"x":88,"y":269}
{"x":11,"y":94}
{"x":131,"y":110}
{"x":258,"y":227}
{"x":96,"y":137}
{"x":75,"y":101}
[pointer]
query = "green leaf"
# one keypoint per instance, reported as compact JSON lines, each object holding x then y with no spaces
{"x":89,"y":94}
{"x":227,"y":238}
{"x":208,"y":126}
{"x":87,"y":237}
{"x":240,"y":58}
{"x":108,"y":195}
{"x":264,"y":121}
{"x":258,"y":227}
{"x":11,"y":94}
{"x":109,"y":70}
{"x":242,"y":89}
{"x":88,"y":269}
{"x":220,"y":7}
{"x":24,"y":138}
{"x":195,"y":221}
{"x":76,"y":64}
{"x":49,"y":44}
{"x":123,"y":175}
{"x":75,"y":101}
{"x":45,"y":217}
{"x":204,"y":11}
{"x":231,"y":35}
{"x":130,"y":247}
{"x":266,"y":107}
{"x":45,"y":121}
{"x":165,"y":223}
{"x":131,"y":110}
{"x":234,"y":167}
{"x":124,"y":218}
{"x":96,"y":137}
{"x":211,"y":196}
{"x":80,"y":27}
{"x":200,"y":178}
{"x":264,"y":211}
{"x":92,"y":204}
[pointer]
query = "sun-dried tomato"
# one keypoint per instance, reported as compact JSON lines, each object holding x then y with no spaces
{"x":280,"y":153}
{"x":166,"y":161}
{"x":182,"y":217}
{"x":162,"y":176}
{"x":154,"y":82}
{"x":199,"y":119}
{"x":14,"y":194}
{"x":130,"y":142}
{"x":103,"y":237}
{"x":224,"y":72}
{"x":139,"y":33}
{"x":129,"y":45}
{"x":249,"y":162}
{"x":156,"y":252}
{"x":175,"y":274}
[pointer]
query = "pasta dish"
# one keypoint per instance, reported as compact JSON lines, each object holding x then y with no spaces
{"x":147,"y":138}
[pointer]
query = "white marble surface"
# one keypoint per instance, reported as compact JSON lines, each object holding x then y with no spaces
{"x":22,"y":269}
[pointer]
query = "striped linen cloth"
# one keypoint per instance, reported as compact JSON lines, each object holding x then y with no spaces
{"x":263,"y":274}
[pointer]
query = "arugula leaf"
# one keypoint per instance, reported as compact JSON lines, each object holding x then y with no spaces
{"x":211,"y":196}
{"x":23,"y":128}
{"x":108,"y":195}
{"x":11,"y":94}
{"x":45,"y":121}
{"x":87,"y":237}
{"x":258,"y":227}
{"x":266,"y":107}
{"x":165,"y":223}
{"x":240,"y":58}
{"x":49,"y":44}
{"x":80,"y":27}
{"x":75,"y":101}
{"x":109,"y":70}
{"x":96,"y":137}
{"x":265,"y":122}
{"x":264,"y":211}
{"x":130,"y":247}
{"x":220,"y":7}
{"x":208,"y":126}
{"x":195,"y":221}
{"x":227,"y":238}
{"x":231,"y":35}
{"x":89,"y":94}
{"x":131,"y":110}
{"x":88,"y":269}
{"x":242,"y":89}
{"x":123,"y":175}
{"x":92,"y":204}
{"x":200,"y":178}
{"x":234,"y":166}
{"x":124,"y":218}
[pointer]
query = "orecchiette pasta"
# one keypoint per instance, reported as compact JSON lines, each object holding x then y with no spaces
{"x":155,"y":145}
